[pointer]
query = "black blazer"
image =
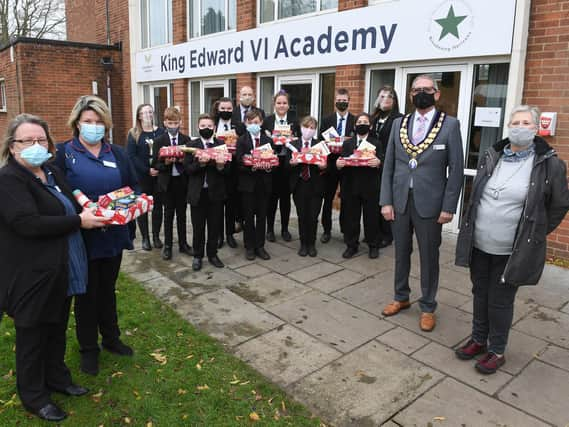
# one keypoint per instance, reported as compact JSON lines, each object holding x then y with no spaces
{"x":164,"y":170}
{"x":236,"y":118}
{"x":381,"y":131}
{"x":361,"y":181}
{"x":316,"y":180}
{"x":269,"y":124}
{"x":247,"y":177}
{"x":331,"y":121}
{"x":34,"y":229}
{"x":197,"y":173}
{"x":139,"y":155}
{"x":238,"y":127}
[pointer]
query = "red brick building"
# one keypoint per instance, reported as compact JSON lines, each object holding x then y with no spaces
{"x":485,"y":62}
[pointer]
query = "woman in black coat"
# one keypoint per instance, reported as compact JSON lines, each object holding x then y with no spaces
{"x":386,"y":111}
{"x":43,"y":262}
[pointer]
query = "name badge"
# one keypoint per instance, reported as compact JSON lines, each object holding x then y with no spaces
{"x":108,"y":164}
{"x":439,"y":147}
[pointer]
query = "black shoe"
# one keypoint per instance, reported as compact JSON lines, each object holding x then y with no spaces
{"x":250,"y":254}
{"x":231,"y":241}
{"x":186,"y":249}
{"x":119,"y":348}
{"x":50,"y":412}
{"x":373,"y":252}
{"x":90,"y":362}
{"x":220,"y":243}
{"x":286,"y":236}
{"x":271,"y":236}
{"x":325,"y":237}
{"x":303,"y":251}
{"x":197,"y":264}
{"x":262,"y":253}
{"x":312,"y":251}
{"x":349,"y":252}
{"x":238,"y":226}
{"x":215,"y":261}
{"x":73,"y":390}
{"x":166,"y":253}
{"x":385,"y":243}
{"x":146,"y":246}
{"x":157,"y":242}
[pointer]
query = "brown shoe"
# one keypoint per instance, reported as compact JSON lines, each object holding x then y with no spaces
{"x":395,"y":307}
{"x":428,"y":322}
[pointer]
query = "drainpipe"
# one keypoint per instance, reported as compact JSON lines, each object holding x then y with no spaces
{"x":107,"y":63}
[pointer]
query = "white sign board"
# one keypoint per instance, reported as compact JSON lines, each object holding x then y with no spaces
{"x":487,"y":117}
{"x":401,"y":30}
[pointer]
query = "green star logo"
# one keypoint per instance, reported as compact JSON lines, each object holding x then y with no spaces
{"x":450,"y":24}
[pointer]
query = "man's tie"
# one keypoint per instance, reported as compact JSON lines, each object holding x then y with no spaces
{"x":282,"y":122}
{"x":419,"y":133}
{"x":177,"y":165}
{"x":257,"y":142}
{"x":225,"y":127}
{"x":305,"y":171}
{"x":244,"y":112}
{"x":340,"y":126}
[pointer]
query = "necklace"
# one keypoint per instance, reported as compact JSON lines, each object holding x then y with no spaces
{"x":415,"y":150}
{"x":498,"y":188}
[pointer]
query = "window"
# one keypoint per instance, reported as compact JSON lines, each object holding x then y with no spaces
{"x":156,"y":22}
{"x":3,"y":95}
{"x":378,"y":79}
{"x":279,"y":9}
{"x":212,"y":16}
{"x":204,"y":94}
{"x":160,"y":97}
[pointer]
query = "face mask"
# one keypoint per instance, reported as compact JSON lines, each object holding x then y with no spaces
{"x":92,"y":133}
{"x":307,"y":133}
{"x":424,"y":100}
{"x":377,"y":102}
{"x":225,"y":115}
{"x":206,"y":133}
{"x":521,"y":137}
{"x":246,"y":100}
{"x":342,"y":106}
{"x":362,"y":129}
{"x":36,"y":155}
{"x":254,"y":129}
{"x":173,"y":131}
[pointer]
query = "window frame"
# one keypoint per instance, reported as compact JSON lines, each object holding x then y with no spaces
{"x":290,"y":18}
{"x":3,"y":99}
{"x":201,"y":36}
{"x":169,"y":25}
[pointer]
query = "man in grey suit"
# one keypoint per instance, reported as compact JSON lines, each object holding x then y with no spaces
{"x":417,"y":195}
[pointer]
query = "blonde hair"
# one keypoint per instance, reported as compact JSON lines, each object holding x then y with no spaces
{"x":309,"y":121}
{"x":13,"y":126}
{"x":86,"y":103}
{"x":137,"y":129}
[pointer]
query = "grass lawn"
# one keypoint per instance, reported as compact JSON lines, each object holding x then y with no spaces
{"x":177,"y":377}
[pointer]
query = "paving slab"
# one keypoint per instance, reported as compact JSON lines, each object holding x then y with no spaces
{"x":336,"y":281}
{"x":542,"y":391}
{"x":167,"y":290}
{"x":451,"y":403}
{"x":333,"y":322}
{"x":270,"y":289}
{"x":521,"y":309}
{"x":286,"y":354}
{"x":547,"y":324}
{"x":565,"y":309}
{"x":556,"y":356}
{"x":331,"y":251}
{"x":403,"y":340}
{"x":288,"y":263}
{"x":443,"y":359}
{"x":227,"y":317}
{"x":552,"y":290}
{"x":457,"y":281}
{"x":365,"y":387}
{"x":369,"y":267}
{"x":145,"y":275}
{"x":279,"y":249}
{"x":452,"y":298}
{"x":252,"y":270}
{"x":207,"y":280}
{"x":521,"y":350}
{"x":313,"y":272}
{"x":453,"y":325}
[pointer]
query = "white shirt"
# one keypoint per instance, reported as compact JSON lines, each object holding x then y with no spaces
{"x":344,"y":122}
{"x":221,"y":126}
{"x":204,"y":143}
{"x":278,"y":119}
{"x":177,"y":137}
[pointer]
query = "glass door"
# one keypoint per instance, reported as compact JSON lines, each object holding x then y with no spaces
{"x":160,"y":97}
{"x":302,"y":91}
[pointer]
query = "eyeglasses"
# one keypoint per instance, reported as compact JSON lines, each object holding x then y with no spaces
{"x":29,"y":142}
{"x":429,"y":90}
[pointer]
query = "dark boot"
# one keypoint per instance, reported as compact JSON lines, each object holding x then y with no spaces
{"x":156,"y":241}
{"x":143,"y":226}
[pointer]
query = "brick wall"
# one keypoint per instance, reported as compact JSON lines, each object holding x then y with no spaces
{"x":80,"y":24}
{"x":547,"y":85}
{"x":9,"y":72}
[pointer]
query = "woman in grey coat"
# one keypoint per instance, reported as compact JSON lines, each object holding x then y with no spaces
{"x":519,"y":196}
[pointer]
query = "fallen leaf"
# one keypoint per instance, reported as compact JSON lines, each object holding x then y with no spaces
{"x":159,"y":357}
{"x":117,"y":374}
{"x":182,"y":391}
{"x":97,"y":396}
{"x":277,"y":415}
{"x":202,"y":387}
{"x":283,"y":405}
{"x":270,"y":401}
{"x":191,"y":356}
{"x":235,"y":380}
{"x":253,"y":416}
{"x":149,"y":424}
{"x":126,"y":420}
{"x":439,"y":418}
{"x":244,"y":383}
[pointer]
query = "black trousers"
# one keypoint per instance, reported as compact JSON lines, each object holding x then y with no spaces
{"x":175,"y":204}
{"x":254,"y":208}
{"x":40,"y":365}
{"x":331,"y":180}
{"x":96,"y":310}
{"x":149,"y":185}
{"x":352,"y":207}
{"x":493,"y":303}
{"x":206,"y":212}
{"x":307,"y":208}
{"x":280,"y":196}
{"x":230,"y":209}
{"x":428,"y":233}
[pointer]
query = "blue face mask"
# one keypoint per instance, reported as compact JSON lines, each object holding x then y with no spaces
{"x":92,"y":133}
{"x":36,"y":155}
{"x":254,"y":129}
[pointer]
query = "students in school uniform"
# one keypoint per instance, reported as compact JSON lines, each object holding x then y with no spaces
{"x":281,"y":187}
{"x":206,"y":193}
{"x":307,"y":187}
{"x":360,"y":191}
{"x":255,"y":187}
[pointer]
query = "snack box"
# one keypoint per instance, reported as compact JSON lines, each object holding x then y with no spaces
{"x":360,"y":158}
{"x":335,"y":144}
{"x":118,"y":216}
{"x":229,"y":138}
{"x":109,"y":198}
{"x":171,"y":151}
{"x":260,"y":157}
{"x":281,"y":137}
{"x":310,"y":158}
{"x":213,"y":154}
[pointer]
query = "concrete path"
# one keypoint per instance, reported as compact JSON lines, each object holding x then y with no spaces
{"x":314,"y":326}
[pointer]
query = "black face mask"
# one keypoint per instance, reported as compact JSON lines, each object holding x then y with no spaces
{"x":342,"y":106}
{"x":362,"y":129}
{"x":206,"y":133}
{"x":424,"y":100}
{"x":225,"y":115}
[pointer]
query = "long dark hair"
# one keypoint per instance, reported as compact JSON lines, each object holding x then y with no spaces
{"x":378,"y":112}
